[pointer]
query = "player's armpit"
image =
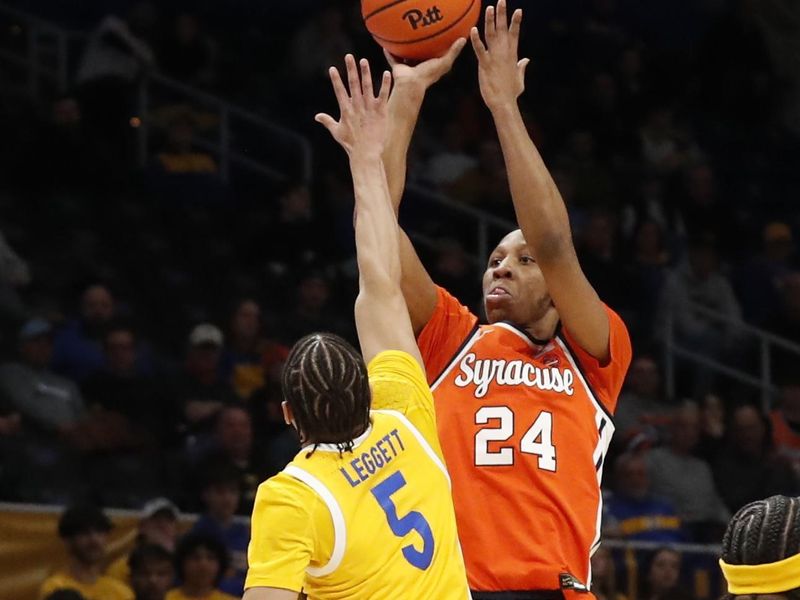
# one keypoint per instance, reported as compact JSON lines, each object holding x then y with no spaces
{"x":267,"y":593}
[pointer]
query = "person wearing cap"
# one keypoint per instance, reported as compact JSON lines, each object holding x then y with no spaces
{"x":158,"y":526}
{"x":84,"y":530}
{"x":45,"y":400}
{"x":199,"y":389}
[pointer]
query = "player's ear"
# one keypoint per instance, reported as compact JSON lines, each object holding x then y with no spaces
{"x":288,"y":417}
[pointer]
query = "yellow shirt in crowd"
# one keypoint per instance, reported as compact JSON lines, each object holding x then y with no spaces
{"x":105,"y":588}
{"x":177,"y":594}
{"x":376,"y":523}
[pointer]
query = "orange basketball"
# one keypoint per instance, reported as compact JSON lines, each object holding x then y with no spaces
{"x":419,"y":29}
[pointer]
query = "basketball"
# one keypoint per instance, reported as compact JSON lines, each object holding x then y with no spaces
{"x":419,"y":29}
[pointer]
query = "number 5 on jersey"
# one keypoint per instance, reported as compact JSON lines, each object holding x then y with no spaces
{"x":402,"y":526}
{"x":538,"y":440}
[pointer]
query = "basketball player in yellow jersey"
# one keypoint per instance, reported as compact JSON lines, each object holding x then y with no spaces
{"x":364,"y":511}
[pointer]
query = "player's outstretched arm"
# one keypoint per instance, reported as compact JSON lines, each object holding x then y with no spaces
{"x":540,"y":210}
{"x":380,"y":311}
{"x":265,"y":593}
{"x":410,"y":85}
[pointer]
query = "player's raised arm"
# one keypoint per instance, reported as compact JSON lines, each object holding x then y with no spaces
{"x":381,"y":312}
{"x":410,"y":86}
{"x":540,"y":210}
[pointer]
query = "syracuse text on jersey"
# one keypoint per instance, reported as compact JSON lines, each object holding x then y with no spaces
{"x":481,"y":372}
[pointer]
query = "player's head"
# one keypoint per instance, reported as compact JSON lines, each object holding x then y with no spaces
{"x":326,"y":390}
{"x":513,"y":285}
{"x":761,"y":550}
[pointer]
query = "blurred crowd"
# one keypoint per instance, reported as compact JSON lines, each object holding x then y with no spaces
{"x":146,"y":311}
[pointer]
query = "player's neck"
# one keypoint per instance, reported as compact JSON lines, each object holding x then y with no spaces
{"x":545,"y":327}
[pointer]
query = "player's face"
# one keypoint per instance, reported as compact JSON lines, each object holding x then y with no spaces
{"x":513,"y":286}
{"x":152,"y":580}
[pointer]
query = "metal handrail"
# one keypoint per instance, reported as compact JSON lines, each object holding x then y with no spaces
{"x":766,"y":341}
{"x":32,"y":61}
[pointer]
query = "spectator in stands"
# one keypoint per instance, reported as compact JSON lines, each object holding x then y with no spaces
{"x":454,"y":269}
{"x":319,"y":44}
{"x":158,"y":527}
{"x":279,"y":440}
{"x":221,"y":497}
{"x":199,"y":390}
{"x":119,"y":388}
{"x":189,"y":54}
{"x":664,"y":145}
{"x":294,"y":236}
{"x":645,"y":274}
{"x":201,"y":562}
{"x":642,"y":403}
{"x":313,"y":311}
{"x":243,"y":358}
{"x":600,"y":261}
{"x":786,"y":323}
{"x":45,"y":401}
{"x":84,"y":530}
{"x":748,"y":470}
{"x":604,"y":580}
{"x":453,"y":161}
{"x":712,"y":428}
{"x":632,"y":512}
{"x":116,"y":55}
{"x":152,"y":572}
{"x":758,"y":282}
{"x":233,"y":444}
{"x":687,"y":481}
{"x":663,"y":577}
{"x":14,"y":274}
{"x":179,"y":156}
{"x":65,"y":595}
{"x":786,"y":426}
{"x":700,"y":283}
{"x":78,"y":345}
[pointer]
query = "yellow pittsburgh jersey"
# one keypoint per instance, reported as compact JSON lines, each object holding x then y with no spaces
{"x":377,"y":523}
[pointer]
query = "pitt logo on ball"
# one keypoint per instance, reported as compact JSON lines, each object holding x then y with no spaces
{"x":416,"y":18}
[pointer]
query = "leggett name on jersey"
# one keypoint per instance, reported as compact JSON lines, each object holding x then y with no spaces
{"x":481,"y":372}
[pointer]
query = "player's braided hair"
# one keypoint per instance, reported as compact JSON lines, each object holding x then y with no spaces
{"x":325,"y":383}
{"x":764,"y":532}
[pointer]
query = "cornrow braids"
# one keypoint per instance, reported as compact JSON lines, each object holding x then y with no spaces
{"x":325,"y":384}
{"x":764,"y":532}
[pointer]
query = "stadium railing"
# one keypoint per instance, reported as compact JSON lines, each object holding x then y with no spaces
{"x":766,"y":343}
{"x":41,"y":57}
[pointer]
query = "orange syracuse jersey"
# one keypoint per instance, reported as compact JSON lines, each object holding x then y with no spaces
{"x":524,"y":425}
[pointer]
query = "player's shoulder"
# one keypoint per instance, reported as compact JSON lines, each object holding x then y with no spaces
{"x":284,"y":488}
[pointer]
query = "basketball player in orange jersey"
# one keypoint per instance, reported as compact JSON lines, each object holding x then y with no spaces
{"x":524,"y":404}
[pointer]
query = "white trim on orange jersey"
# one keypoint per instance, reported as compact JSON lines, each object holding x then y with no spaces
{"x":339,"y":525}
{"x":477,"y":334}
{"x":601,"y":450}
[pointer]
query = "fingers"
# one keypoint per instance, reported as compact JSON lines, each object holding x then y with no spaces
{"x":393,"y":62}
{"x":452,"y":54}
{"x":477,"y":43}
{"x":513,"y":30}
{"x":342,"y":97}
{"x":501,"y":19}
{"x":366,"y":80}
{"x":327,"y":121}
{"x":386,"y":86}
{"x":522,"y":67}
{"x":489,"y":26}
{"x":353,"y":81}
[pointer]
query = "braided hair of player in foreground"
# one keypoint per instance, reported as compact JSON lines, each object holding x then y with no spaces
{"x":325,"y":384}
{"x":761,"y":550}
